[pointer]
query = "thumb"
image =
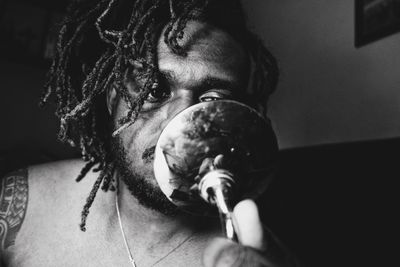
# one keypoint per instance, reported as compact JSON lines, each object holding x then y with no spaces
{"x":216,"y":254}
{"x":248,"y":225}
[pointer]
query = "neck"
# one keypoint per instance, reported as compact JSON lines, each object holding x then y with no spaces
{"x":150,"y":234}
{"x":146,"y":222}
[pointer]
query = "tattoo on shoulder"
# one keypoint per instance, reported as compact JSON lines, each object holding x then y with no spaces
{"x":13,"y":205}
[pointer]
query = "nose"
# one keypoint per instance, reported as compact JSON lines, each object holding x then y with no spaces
{"x":182,"y":100}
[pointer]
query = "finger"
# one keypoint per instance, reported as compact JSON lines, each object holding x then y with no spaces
{"x":222,"y":252}
{"x":215,"y":253}
{"x":248,"y":225}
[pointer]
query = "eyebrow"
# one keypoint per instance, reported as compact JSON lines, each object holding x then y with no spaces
{"x":212,"y":82}
{"x":204,"y":84}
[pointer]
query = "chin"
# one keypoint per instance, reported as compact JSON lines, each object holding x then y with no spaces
{"x":140,"y":180}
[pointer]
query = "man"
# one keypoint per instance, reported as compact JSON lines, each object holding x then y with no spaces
{"x":122,"y":70}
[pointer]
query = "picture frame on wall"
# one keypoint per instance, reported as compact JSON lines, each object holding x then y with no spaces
{"x":375,"y":19}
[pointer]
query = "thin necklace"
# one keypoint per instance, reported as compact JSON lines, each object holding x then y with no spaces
{"x":131,"y":260}
{"x":128,"y":250}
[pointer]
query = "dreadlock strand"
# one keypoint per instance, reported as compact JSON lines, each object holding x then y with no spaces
{"x":95,"y":74}
{"x":170,"y":25}
{"x":120,"y":84}
{"x":63,"y":130}
{"x":85,"y":170}
{"x":55,"y":70}
{"x":82,"y":108}
{"x":133,"y":45}
{"x":176,"y":31}
{"x":62,"y":79}
{"x":171,"y":9}
{"x":48,"y":89}
{"x":108,"y":177}
{"x":132,"y":115}
{"x":98,"y":78}
{"x":100,"y":20}
{"x":132,"y":17}
{"x":90,"y":199}
{"x":45,"y":95}
{"x":148,"y":16}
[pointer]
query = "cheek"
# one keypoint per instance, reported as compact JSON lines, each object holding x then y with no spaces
{"x":144,"y":133}
{"x":141,"y":135}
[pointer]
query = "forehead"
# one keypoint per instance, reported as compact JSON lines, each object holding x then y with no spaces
{"x":209,"y":51}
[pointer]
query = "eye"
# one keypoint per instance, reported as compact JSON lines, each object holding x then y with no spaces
{"x":158,"y":94}
{"x":215,"y":94}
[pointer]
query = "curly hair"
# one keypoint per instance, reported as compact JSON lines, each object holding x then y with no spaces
{"x":100,"y":41}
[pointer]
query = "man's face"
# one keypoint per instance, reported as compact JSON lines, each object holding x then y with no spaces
{"x":214,"y":67}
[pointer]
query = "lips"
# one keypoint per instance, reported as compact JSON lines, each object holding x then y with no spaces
{"x":148,"y":154}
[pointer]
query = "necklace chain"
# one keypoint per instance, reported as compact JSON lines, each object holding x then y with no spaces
{"x":131,"y":260}
{"x":128,"y":250}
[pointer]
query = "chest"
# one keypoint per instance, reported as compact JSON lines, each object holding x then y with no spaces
{"x":104,"y":253}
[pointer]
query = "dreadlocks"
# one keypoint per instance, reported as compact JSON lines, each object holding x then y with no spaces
{"x":101,"y":41}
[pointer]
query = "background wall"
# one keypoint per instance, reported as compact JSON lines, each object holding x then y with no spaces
{"x":26,"y":128}
{"x":28,"y":133}
{"x":330,"y":92}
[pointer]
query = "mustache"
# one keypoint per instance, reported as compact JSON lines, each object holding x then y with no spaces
{"x":148,"y":154}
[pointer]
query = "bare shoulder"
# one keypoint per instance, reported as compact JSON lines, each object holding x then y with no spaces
{"x":31,"y":188}
{"x":54,"y":185}
{"x":55,"y":172}
{"x":40,"y":205}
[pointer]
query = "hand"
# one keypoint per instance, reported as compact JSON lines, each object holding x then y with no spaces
{"x":252,"y":247}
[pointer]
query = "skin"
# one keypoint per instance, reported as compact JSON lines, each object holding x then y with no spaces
{"x":214,"y":68}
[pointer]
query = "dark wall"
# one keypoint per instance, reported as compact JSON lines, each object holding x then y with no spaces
{"x":25,"y":128}
{"x":27,"y":132}
{"x":336,"y":205}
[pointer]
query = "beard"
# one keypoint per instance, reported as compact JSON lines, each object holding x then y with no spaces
{"x":141,"y":187}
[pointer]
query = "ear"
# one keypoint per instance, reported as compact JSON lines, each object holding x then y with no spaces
{"x":111,"y":99}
